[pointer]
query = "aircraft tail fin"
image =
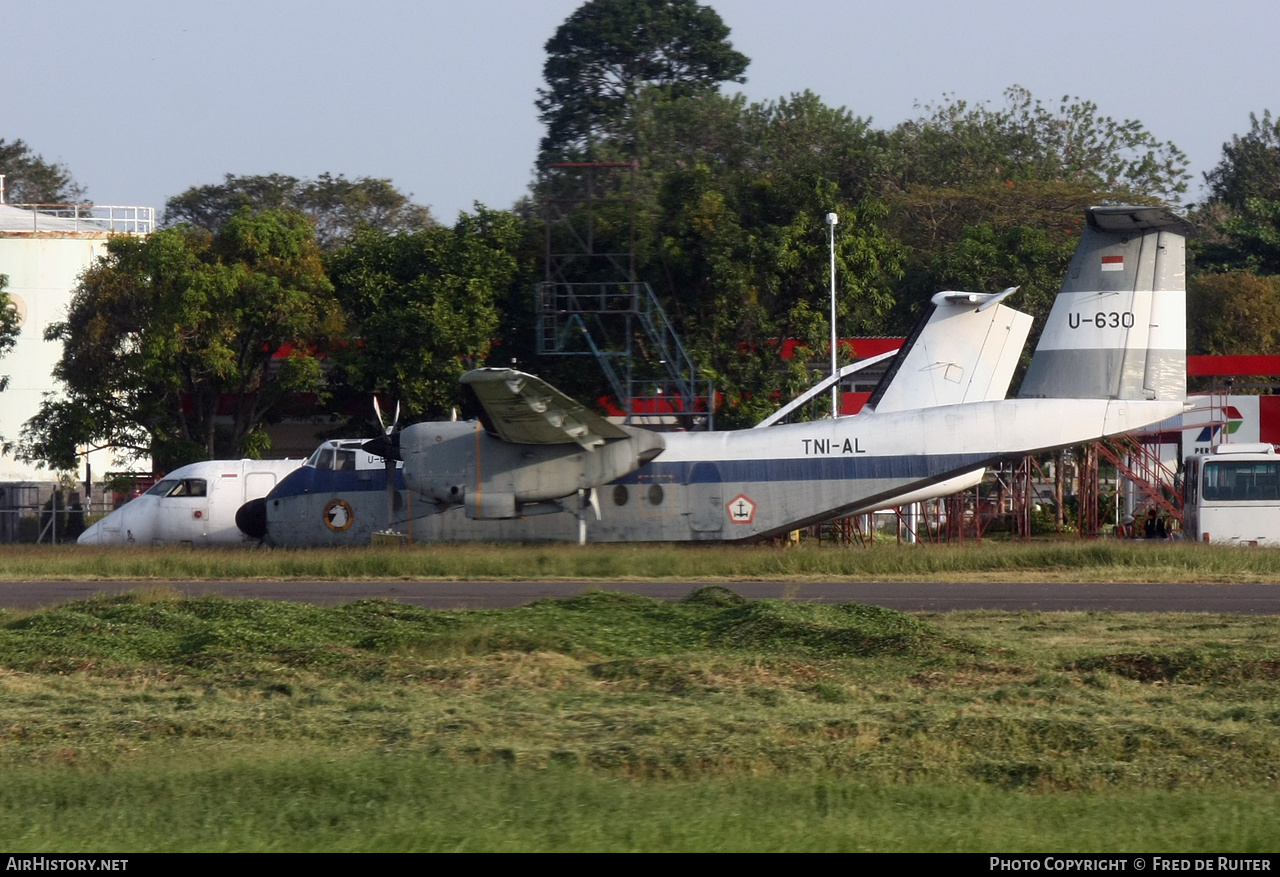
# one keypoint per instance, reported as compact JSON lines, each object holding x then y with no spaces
{"x":964,"y":349}
{"x":1118,"y":328}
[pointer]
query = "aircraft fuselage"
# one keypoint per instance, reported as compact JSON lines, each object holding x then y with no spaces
{"x":732,"y":486}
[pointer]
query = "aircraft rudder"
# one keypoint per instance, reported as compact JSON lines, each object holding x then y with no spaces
{"x":1117,"y":329}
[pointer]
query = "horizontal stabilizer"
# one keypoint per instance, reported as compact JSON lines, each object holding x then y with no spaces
{"x":526,"y":410}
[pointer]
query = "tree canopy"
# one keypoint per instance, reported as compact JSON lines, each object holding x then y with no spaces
{"x":422,"y":310}
{"x":735,"y":240}
{"x":1242,"y":213}
{"x":1233,"y":303}
{"x":335,"y":205}
{"x":29,"y":179}
{"x":167,"y":332}
{"x":608,"y":51}
{"x":1235,"y":312}
{"x":1249,"y":167}
{"x":984,"y":198}
{"x":957,"y":144}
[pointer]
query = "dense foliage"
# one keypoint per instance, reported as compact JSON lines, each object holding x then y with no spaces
{"x":29,"y":179}
{"x":422,"y":309}
{"x":336,"y":206}
{"x":608,"y":51}
{"x":9,"y":327}
{"x":166,"y":330}
{"x":1234,"y":304}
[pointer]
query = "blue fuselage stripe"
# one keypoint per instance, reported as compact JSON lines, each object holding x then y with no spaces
{"x":859,"y":467}
{"x":841,"y":468}
{"x":308,"y":479}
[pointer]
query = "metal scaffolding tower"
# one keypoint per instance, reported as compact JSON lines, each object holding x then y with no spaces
{"x":590,"y":302}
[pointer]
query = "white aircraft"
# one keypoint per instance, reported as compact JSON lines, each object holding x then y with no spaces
{"x":1112,"y":358}
{"x":192,"y":505}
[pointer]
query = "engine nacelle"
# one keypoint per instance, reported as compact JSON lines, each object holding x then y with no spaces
{"x":461,"y":464}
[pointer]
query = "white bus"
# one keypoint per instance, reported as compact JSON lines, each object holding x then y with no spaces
{"x":1232,"y":495}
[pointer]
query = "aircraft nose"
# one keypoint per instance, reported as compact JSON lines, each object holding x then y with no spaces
{"x":127,"y":524}
{"x":251,"y":518}
{"x":92,"y":535}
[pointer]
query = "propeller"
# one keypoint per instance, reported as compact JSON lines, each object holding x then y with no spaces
{"x":387,"y":446}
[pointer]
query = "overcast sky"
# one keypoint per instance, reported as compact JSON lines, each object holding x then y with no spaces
{"x":144,"y":99}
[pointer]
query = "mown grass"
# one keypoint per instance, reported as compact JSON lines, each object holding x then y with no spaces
{"x":611,"y":721}
{"x":991,"y":560}
{"x":272,"y":801}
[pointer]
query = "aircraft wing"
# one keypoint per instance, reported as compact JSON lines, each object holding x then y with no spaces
{"x":526,"y":410}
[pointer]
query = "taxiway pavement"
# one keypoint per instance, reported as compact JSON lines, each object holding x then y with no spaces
{"x":1249,"y":599}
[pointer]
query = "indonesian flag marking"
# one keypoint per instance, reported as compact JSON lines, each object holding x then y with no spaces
{"x":1113,"y":263}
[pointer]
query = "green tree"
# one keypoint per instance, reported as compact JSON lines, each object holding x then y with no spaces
{"x":985,"y":238}
{"x":9,"y":326}
{"x":1242,"y":213}
{"x":335,"y":205}
{"x":1250,"y":166}
{"x":957,"y":145}
{"x":29,"y":179}
{"x":422,"y":310}
{"x":608,"y":51}
{"x":985,"y":198}
{"x":737,"y":240}
{"x":731,"y":198}
{"x":1233,"y":312}
{"x":167,"y":332}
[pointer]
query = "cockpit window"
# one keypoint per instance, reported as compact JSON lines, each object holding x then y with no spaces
{"x":189,"y":487}
{"x":162,"y":488}
{"x":335,"y":455}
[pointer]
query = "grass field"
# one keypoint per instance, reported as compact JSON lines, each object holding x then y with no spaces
{"x":617,"y":722}
{"x":992,"y":560}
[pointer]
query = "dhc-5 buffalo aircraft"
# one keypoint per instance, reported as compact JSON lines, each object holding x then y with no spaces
{"x":539,"y":466}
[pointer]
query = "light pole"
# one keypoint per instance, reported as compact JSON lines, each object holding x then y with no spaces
{"x":832,"y":219}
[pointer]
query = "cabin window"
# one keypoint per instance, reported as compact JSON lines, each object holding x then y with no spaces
{"x":655,"y":494}
{"x":1241,"y":481}
{"x":620,"y":494}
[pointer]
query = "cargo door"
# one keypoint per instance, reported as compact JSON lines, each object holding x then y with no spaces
{"x":258,"y":485}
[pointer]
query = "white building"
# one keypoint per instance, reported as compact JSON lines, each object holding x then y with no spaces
{"x":43,"y":252}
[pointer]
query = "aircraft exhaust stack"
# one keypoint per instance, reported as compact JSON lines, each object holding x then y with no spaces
{"x":1118,"y":327}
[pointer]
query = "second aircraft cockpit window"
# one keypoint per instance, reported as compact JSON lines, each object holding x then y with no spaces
{"x":180,"y":487}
